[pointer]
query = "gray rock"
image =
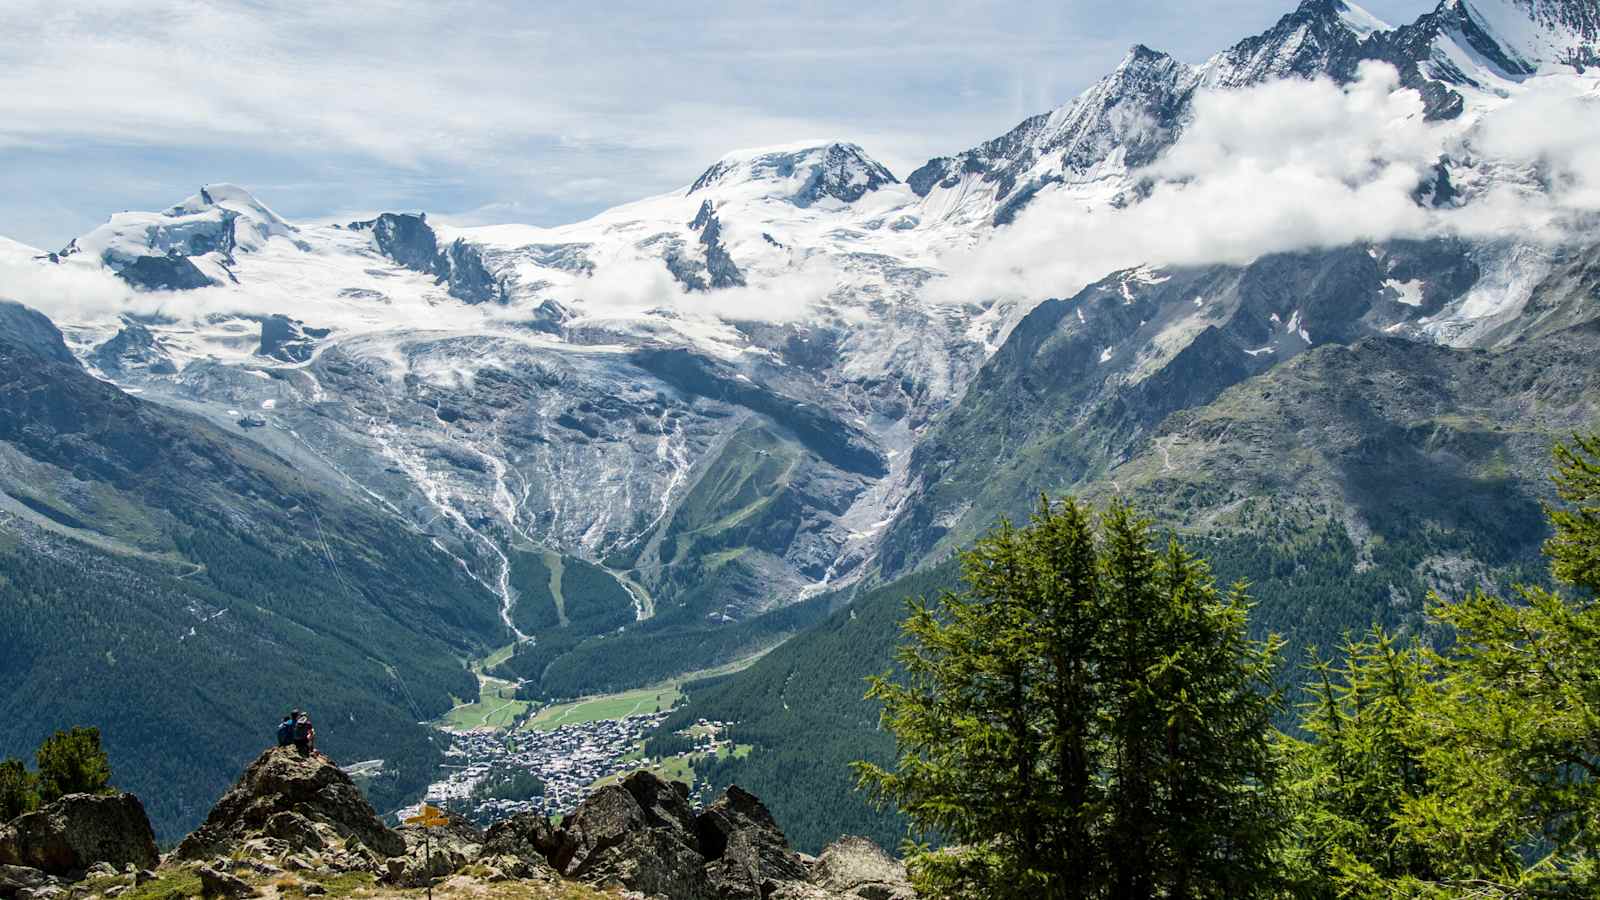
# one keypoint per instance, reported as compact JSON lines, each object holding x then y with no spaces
{"x":528,"y":837}
{"x":281,"y":780}
{"x":856,"y":868}
{"x":33,"y":331}
{"x":607,"y":817}
{"x":79,"y":830}
{"x":289,"y":340}
{"x":293,"y":830}
{"x":20,"y":878}
{"x":748,"y":853}
{"x":132,"y":348}
{"x":164,"y":273}
{"x":653,"y":861}
{"x":222,"y":884}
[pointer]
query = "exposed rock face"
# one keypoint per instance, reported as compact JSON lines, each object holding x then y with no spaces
{"x":33,"y":331}
{"x":286,"y":796}
{"x":289,"y":340}
{"x":16,"y":879}
{"x":527,"y":837}
{"x":856,"y":867}
{"x":222,"y":884}
{"x":134,"y":347}
{"x":836,"y":171}
{"x":79,"y":830}
{"x":410,"y":241}
{"x":404,"y":238}
{"x":164,"y":273}
{"x":642,"y":835}
{"x":750,"y":854}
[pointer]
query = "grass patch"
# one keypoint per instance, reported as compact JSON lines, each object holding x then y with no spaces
{"x":497,"y":657}
{"x":609,"y":706}
{"x":497,"y":705}
{"x":170,"y":885}
{"x":344,"y":884}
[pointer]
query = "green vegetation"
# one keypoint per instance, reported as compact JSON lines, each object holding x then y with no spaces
{"x":341,"y":884}
{"x":800,"y":707}
{"x":1469,"y":770}
{"x":17,"y":791}
{"x":169,"y":884}
{"x":68,"y":762}
{"x":562,"y":602}
{"x":228,"y":585}
{"x":497,"y":706}
{"x":535,"y":582}
{"x":610,"y":706}
{"x":562,"y":664}
{"x":71,"y":762}
{"x":1087,"y":719}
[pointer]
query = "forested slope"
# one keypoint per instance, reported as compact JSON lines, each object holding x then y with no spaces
{"x":1343,"y":485}
{"x":181,"y":588}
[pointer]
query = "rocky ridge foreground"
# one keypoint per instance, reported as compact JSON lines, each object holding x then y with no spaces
{"x":298,"y":826}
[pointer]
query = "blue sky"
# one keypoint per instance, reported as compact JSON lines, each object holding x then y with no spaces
{"x":505,"y":111}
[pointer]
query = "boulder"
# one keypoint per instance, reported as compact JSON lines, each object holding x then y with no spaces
{"x":749,"y":856}
{"x":15,"y":879}
{"x":221,"y":884}
{"x":311,"y":788}
{"x":603,"y":820}
{"x":665,"y":803}
{"x":638,"y":835}
{"x":528,"y":837}
{"x":78,"y":831}
{"x":857,"y":869}
{"x":652,"y":861}
{"x":458,"y":836}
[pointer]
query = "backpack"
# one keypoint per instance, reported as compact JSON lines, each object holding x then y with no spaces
{"x":302,"y":728}
{"x":285,"y":732}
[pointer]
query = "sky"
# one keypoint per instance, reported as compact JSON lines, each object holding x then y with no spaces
{"x":498,"y":111}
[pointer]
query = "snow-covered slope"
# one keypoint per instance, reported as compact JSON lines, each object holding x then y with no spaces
{"x":738,"y":370}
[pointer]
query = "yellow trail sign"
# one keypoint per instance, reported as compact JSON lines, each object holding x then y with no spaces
{"x":429,"y":816}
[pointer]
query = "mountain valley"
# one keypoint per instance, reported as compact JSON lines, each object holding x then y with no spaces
{"x":248,"y":463}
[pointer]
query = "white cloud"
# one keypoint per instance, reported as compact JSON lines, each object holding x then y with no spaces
{"x":561,"y":108}
{"x":66,"y":291}
{"x":1294,"y":165}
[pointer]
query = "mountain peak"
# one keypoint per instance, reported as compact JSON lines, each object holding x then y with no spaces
{"x":802,"y":174}
{"x":1536,"y":32}
{"x":1340,"y":12}
{"x":233,"y":198}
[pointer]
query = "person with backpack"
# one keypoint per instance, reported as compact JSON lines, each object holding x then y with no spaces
{"x":286,"y":728}
{"x":305,"y":736}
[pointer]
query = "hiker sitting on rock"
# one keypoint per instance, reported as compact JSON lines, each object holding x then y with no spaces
{"x":305,"y":736}
{"x":286,"y":728}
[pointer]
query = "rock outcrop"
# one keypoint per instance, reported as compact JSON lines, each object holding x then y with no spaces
{"x":296,"y":822}
{"x":855,"y":867}
{"x":642,"y":835}
{"x":79,"y":830}
{"x":302,"y":802}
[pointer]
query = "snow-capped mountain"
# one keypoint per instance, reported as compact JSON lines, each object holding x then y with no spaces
{"x":717,"y":392}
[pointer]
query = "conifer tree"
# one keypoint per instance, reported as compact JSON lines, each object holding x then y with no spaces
{"x":1088,"y":719}
{"x":17,"y":794}
{"x":1473,"y":770}
{"x":1363,"y":765}
{"x":71,"y":762}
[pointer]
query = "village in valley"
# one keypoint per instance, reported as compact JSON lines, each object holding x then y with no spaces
{"x":548,"y":760}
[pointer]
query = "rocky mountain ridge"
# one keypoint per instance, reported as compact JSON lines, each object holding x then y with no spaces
{"x":293,"y":824}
